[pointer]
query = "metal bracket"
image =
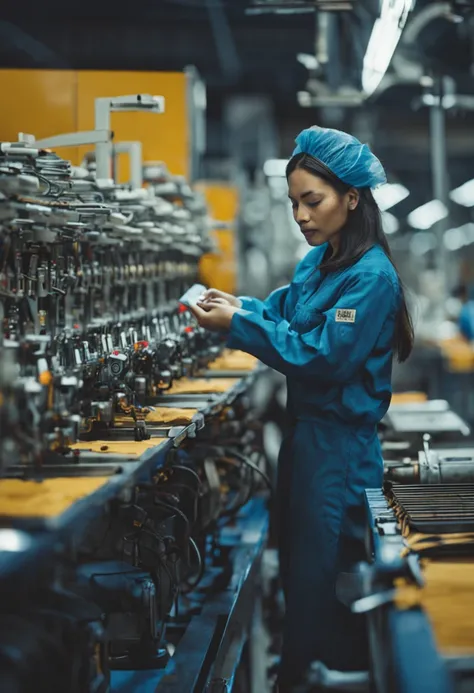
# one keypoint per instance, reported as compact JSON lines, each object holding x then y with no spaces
{"x":104,"y":107}
{"x":134,"y":151}
{"x":74,"y":139}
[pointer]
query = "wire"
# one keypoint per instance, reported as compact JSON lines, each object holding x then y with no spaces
{"x":233,"y":509}
{"x":173,"y":509}
{"x":44,"y":180}
{"x":183,"y":468}
{"x":249,"y":463}
{"x":191,"y":585}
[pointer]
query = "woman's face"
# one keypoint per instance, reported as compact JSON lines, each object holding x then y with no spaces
{"x":319,"y":210}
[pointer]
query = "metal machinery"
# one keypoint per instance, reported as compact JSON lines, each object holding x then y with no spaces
{"x":132,"y":504}
{"x":417,"y":587}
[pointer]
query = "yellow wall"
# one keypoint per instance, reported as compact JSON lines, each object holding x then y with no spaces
{"x":52,"y":102}
{"x":219,"y":269}
{"x":164,"y":137}
{"x":39,"y":102}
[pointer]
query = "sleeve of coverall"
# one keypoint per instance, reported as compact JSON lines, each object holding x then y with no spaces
{"x":270,"y":309}
{"x":340,"y":341}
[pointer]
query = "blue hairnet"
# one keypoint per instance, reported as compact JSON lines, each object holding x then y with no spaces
{"x":350,"y":160}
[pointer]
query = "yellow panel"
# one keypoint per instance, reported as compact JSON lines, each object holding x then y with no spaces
{"x":219,"y":269}
{"x":39,"y":102}
{"x":164,"y":137}
{"x":222,"y":198}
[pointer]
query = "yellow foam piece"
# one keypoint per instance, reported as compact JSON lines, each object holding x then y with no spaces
{"x":132,"y":448}
{"x":162,"y":415}
{"x":409,"y":397}
{"x":234,"y":361}
{"x":449,"y":601}
{"x":201,"y":386}
{"x":459,"y":354}
{"x":48,"y":498}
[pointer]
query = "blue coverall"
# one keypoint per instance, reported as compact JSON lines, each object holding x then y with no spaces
{"x":331,"y":334}
{"x":466,"y":320}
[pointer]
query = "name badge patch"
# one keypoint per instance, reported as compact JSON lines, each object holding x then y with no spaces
{"x":345,"y":315}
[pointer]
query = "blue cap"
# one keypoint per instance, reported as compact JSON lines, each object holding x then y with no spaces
{"x":350,"y":160}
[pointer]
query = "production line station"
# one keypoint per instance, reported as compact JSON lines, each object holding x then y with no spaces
{"x":135,"y":494}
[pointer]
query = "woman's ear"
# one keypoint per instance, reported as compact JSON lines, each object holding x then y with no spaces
{"x":352,"y":199}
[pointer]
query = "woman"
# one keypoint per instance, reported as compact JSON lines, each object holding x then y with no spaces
{"x":332,"y":332}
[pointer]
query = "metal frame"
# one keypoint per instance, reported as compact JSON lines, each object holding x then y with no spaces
{"x":101,"y":136}
{"x":135,"y":155}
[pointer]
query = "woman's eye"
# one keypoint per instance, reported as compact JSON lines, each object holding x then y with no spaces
{"x":314,"y":204}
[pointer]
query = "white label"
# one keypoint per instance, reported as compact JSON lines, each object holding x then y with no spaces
{"x":345,"y":315}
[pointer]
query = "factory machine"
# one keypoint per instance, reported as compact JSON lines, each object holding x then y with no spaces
{"x":132,"y":477}
{"x":417,"y":587}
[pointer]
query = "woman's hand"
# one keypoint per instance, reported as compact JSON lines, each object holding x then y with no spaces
{"x":216,"y":296}
{"x":214,"y":315}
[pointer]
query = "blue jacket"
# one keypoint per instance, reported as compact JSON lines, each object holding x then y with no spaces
{"x":466,"y":320}
{"x":331,"y":334}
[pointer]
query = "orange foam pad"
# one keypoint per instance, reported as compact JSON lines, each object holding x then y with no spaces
{"x":47,"y":498}
{"x":164,"y":415}
{"x":201,"y":386}
{"x":448,"y":599}
{"x":458,"y":354}
{"x":409,"y":397}
{"x":234,"y":361}
{"x":132,"y":448}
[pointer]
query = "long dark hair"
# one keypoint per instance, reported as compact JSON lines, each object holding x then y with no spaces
{"x":362,"y":231}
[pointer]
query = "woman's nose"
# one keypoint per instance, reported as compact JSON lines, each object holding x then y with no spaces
{"x":302,"y":215}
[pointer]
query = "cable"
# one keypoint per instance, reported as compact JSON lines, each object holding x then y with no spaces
{"x":173,"y":509}
{"x":249,"y":463}
{"x":191,"y":585}
{"x":183,"y":468}
{"x":233,"y":509}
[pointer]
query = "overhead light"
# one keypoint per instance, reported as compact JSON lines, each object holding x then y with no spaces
{"x":422,"y":243}
{"x":310,"y":62}
{"x":304,"y":99}
{"x":425,"y":216}
{"x":455,"y":239}
{"x":390,"y":195}
{"x":383,"y":41}
{"x":390,"y":223}
{"x":14,"y":541}
{"x":275,"y":168}
{"x":464,"y":195}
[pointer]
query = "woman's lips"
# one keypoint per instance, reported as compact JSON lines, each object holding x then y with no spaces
{"x":308,"y":232}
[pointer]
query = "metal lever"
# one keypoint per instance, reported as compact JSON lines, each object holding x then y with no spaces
{"x":426,"y":447}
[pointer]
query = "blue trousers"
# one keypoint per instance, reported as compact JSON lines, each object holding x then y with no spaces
{"x":323,"y":470}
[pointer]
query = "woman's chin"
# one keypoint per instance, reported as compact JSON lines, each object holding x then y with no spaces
{"x":315,"y":240}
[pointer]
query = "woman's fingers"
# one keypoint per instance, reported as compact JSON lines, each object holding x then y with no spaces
{"x":198,"y":312}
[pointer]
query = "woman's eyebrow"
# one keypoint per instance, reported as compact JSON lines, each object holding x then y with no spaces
{"x":305,"y":194}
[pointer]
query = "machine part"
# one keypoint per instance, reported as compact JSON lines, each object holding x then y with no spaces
{"x":437,"y":509}
{"x":324,"y":679}
{"x":445,"y":466}
{"x":403,"y":653}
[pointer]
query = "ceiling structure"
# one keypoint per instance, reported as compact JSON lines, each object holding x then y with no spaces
{"x":239,"y":52}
